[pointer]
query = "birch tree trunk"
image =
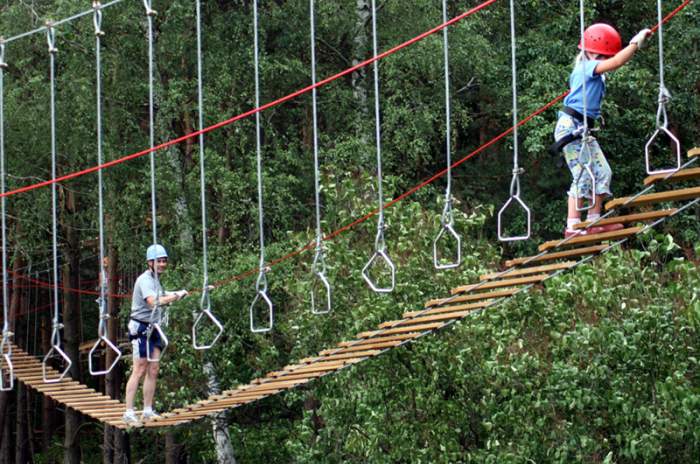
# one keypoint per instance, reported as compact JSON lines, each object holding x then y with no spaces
{"x":222,"y":439}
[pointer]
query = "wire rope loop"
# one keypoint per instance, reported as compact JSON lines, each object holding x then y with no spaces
{"x":3,"y":63}
{"x":150,"y":12}
{"x":261,"y":295}
{"x":55,"y":350}
{"x":8,"y":368}
{"x":51,"y":38}
{"x":97,"y":18}
{"x":205,"y":310}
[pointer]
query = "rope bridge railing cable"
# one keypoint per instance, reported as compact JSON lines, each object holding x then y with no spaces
{"x":380,"y":254}
{"x":447,"y":218}
{"x":261,"y":282}
{"x":56,"y":324}
{"x":6,"y":343}
{"x":102,"y":337}
{"x":255,"y":110}
{"x":205,"y":302}
{"x":60,"y":22}
{"x":318,"y":266}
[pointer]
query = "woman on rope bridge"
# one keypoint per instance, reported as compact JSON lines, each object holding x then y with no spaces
{"x":147,"y":297}
{"x":603,"y":52}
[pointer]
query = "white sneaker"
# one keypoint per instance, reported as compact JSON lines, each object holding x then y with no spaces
{"x":130,"y":418}
{"x":149,"y":415}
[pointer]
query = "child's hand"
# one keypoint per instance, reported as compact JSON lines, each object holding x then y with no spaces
{"x":641,"y":36}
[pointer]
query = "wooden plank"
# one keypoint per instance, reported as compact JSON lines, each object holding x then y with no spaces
{"x":529,"y":270}
{"x":500,"y":283}
{"x":652,"y":198}
{"x":448,"y":309}
{"x":472,"y":297}
{"x":332,"y":357}
{"x":371,"y":346}
{"x":630,"y":218}
{"x":588,"y":239}
{"x":694,"y":152}
{"x":379,"y":339}
{"x":683,"y":174}
{"x":413,"y":328}
{"x":558,"y":255}
{"x":421,"y":319}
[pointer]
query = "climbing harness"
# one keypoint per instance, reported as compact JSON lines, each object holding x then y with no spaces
{"x":102,"y":336}
{"x":515,"y":182}
{"x":56,"y":326}
{"x":205,"y":301}
{"x":318,"y":267}
{"x":447,"y":217}
{"x":661,"y":114}
{"x":584,"y":159}
{"x":379,"y":242}
{"x":156,"y":320}
{"x":6,"y":344}
{"x":261,"y":282}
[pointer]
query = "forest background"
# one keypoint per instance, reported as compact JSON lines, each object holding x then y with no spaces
{"x":601,"y":366}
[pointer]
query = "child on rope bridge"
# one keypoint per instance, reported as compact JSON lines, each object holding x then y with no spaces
{"x":603,"y":53}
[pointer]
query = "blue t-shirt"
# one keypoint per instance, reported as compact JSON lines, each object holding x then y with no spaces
{"x":595,"y":89}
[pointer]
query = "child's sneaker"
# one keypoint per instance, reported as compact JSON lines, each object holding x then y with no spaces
{"x":149,"y":415}
{"x":574,"y":232}
{"x":130,"y":418}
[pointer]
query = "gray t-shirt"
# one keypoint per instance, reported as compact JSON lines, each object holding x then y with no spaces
{"x":145,"y":287}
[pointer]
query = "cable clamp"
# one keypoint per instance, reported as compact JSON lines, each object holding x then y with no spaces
{"x":518,"y":171}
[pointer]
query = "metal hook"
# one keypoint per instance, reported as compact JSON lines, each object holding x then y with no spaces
{"x":55,"y":347}
{"x":447,"y":225}
{"x":205,"y":310}
{"x":380,"y":253}
{"x":6,"y":350}
{"x":261,"y":293}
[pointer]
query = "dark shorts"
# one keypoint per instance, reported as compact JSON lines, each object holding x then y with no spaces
{"x":137,"y":335}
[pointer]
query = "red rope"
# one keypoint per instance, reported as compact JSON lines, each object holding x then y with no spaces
{"x":671,"y":15}
{"x":264,"y":107}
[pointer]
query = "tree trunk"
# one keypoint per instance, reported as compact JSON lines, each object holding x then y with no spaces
{"x":71,"y":318}
{"x":6,"y":444}
{"x":172,"y":448}
{"x":222,"y":439}
{"x":48,"y":406}
{"x":21,"y":454}
{"x":12,"y":316}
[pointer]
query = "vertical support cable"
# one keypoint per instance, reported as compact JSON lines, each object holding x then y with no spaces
{"x":57,"y":326}
{"x":447,"y":217}
{"x":661,"y":113}
{"x":156,"y":313}
{"x":261,"y":282}
{"x":515,"y":182}
{"x":318,"y":268}
{"x":585,"y":160}
{"x":205,"y":302}
{"x":6,"y":344}
{"x":102,"y":300}
{"x":379,"y":242}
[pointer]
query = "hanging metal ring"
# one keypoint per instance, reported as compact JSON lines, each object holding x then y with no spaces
{"x":261,"y":294}
{"x":516,"y":200}
{"x":103,"y":338}
{"x":8,"y":368}
{"x":662,"y":128}
{"x":447,"y":230}
{"x":586,"y":164}
{"x":318,"y":269}
{"x":55,"y":348}
{"x":380,"y":254}
{"x":205,"y":310}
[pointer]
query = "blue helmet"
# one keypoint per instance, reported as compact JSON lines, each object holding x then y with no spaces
{"x":156,"y":251}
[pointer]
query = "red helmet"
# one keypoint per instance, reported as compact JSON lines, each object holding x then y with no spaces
{"x":602,"y":39}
